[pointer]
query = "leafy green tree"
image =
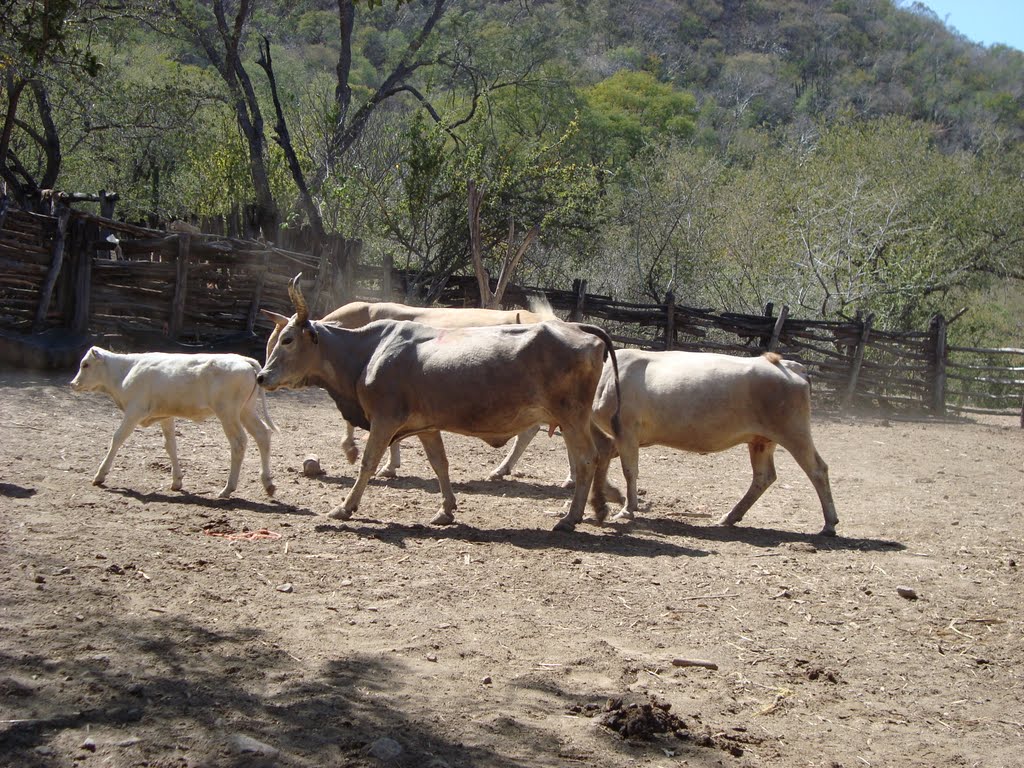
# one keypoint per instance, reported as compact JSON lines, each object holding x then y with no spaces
{"x":632,"y":110}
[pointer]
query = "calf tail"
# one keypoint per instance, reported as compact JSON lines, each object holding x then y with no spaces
{"x":266,"y":414}
{"x":609,"y":351}
{"x":255,"y":365}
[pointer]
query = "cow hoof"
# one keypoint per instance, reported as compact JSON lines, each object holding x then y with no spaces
{"x":568,"y":483}
{"x":340,"y":513}
{"x":565,"y":525}
{"x":828,"y":530}
{"x":98,"y":480}
{"x":351,"y":454}
{"x":225,"y":494}
{"x":387,"y":473}
{"x":444,"y":517}
{"x":270,"y":489}
{"x":176,"y":485}
{"x":497,"y":475}
{"x":624,"y":516}
{"x":725,"y":522}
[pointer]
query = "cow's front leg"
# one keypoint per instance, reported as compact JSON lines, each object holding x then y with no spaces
{"x":376,"y":443}
{"x":518,"y":449}
{"x":171,"y":446}
{"x":394,"y":462}
{"x":434,"y":448}
{"x":121,"y":434}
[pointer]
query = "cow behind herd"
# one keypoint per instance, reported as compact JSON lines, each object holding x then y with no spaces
{"x":401,"y":371}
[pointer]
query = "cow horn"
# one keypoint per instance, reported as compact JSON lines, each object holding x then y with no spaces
{"x":295,"y":293}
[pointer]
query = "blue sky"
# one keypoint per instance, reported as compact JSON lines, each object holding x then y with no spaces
{"x":983,"y":21}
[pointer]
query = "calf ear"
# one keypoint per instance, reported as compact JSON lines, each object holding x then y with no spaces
{"x":279,"y":320}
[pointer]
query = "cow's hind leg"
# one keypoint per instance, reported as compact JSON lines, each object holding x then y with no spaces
{"x":127,"y":426}
{"x":601,"y":489}
{"x":171,"y":446}
{"x":434,"y":448}
{"x":629,"y":457}
{"x":376,"y":443}
{"x":261,"y":434}
{"x":518,"y":449}
{"x":816,"y":469}
{"x":762,"y":462}
{"x":394,"y":461}
{"x":582,"y":452}
{"x":237,"y":440}
{"x":348,"y":445}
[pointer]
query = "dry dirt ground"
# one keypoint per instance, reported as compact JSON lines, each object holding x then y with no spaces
{"x":130,"y":635}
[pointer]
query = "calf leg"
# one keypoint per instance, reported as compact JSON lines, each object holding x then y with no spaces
{"x":762,"y":463}
{"x":434,"y":448}
{"x":171,"y":445}
{"x":127,"y":426}
{"x":817,"y":471}
{"x":255,"y":427}
{"x":518,"y":449}
{"x":376,"y":443}
{"x":582,"y":458}
{"x":237,"y":440}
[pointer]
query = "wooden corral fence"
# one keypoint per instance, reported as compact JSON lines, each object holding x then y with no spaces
{"x":852,"y":363}
{"x":133,"y":287}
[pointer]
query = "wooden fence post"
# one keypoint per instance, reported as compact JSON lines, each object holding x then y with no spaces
{"x":858,"y":359}
{"x":180,"y":285}
{"x":56,"y":264}
{"x":322,"y":250}
{"x":937,"y":331}
{"x":670,"y":320}
{"x":385,"y":281}
{"x":579,"y":289}
{"x":769,"y":314}
{"x":257,"y":294}
{"x":773,"y":342}
{"x":83,"y":278}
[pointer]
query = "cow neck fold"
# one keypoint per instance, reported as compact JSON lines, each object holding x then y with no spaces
{"x":344,"y":356}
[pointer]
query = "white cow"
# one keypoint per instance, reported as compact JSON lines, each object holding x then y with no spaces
{"x":153,"y":387}
{"x":704,"y":402}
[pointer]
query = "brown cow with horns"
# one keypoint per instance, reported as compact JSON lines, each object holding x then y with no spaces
{"x":398,"y":379}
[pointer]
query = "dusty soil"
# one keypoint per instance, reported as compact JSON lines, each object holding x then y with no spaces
{"x":130,"y":635}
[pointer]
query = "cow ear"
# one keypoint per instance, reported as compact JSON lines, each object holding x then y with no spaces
{"x":279,"y":320}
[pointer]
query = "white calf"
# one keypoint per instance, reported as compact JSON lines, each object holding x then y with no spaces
{"x":153,"y":387}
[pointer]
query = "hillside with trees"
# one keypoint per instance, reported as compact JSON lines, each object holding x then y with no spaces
{"x":833,"y":155}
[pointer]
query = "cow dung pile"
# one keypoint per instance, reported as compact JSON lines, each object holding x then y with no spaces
{"x":642,"y":720}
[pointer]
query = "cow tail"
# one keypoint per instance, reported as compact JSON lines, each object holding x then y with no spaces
{"x":609,"y":351}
